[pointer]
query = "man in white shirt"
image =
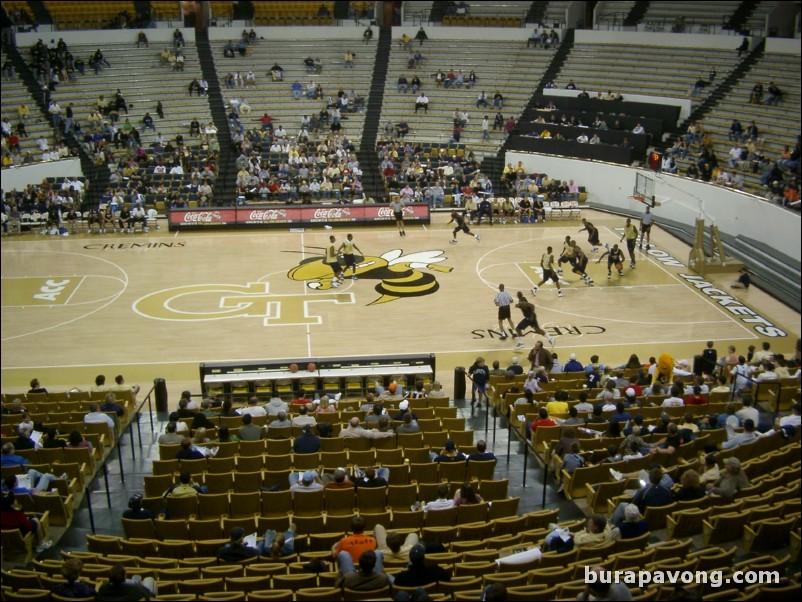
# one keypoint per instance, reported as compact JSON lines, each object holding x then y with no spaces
{"x":741,"y":374}
{"x":303,"y":416}
{"x":95,"y":416}
{"x":422,"y":102}
{"x":675,"y":401}
{"x":443,"y":501}
{"x":764,"y":354}
{"x":582,"y":138}
{"x":792,"y":420}
{"x":747,"y":436}
{"x":747,"y":412}
{"x":768,"y":374}
{"x":253,"y":408}
{"x":638,"y":129}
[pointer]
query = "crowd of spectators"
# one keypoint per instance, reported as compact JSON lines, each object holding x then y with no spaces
{"x":274,"y":166}
{"x":419,"y":174}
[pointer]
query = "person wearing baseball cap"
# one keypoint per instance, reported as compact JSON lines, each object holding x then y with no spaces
{"x":731,"y":481}
{"x":419,"y":573}
{"x":449,"y":454}
{"x":306,"y":481}
{"x":236,"y":550}
{"x":403,"y":409}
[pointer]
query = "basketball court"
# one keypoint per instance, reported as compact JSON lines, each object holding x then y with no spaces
{"x":158,"y":304}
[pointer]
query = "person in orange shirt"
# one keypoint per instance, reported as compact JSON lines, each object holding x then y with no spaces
{"x":348,"y":550}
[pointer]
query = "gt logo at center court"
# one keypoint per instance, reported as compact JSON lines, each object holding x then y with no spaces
{"x":204,"y":302}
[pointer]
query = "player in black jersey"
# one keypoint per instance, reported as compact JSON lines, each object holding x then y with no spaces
{"x":461,"y":225}
{"x":615,"y":257}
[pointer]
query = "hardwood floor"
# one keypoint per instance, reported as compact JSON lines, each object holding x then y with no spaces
{"x":157,"y":304}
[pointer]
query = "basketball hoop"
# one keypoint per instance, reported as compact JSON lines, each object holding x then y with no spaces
{"x":640,"y":199}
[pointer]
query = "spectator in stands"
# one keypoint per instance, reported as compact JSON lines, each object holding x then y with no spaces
{"x":775,"y":95}
{"x":253,"y":408}
{"x":249,"y":431}
{"x":403,"y":84}
{"x":756,"y":95}
{"x":74,"y":587}
{"x":652,"y":494}
{"x":422,"y":102}
{"x":367,"y":35}
{"x":420,"y":573}
{"x":596,"y":532}
{"x":747,"y":436}
{"x":498,"y":101}
{"x":280,"y":421}
{"x":307,"y":442}
{"x":370,"y":575}
{"x":632,"y":526}
{"x":52,"y":440}
{"x":277,"y":72}
{"x":95,"y":415}
{"x":110,"y":405}
{"x":304,"y":416}
{"x":371,"y":477}
{"x":449,"y":453}
{"x":348,"y":549}
{"x":731,"y":481}
{"x":275,"y":405}
{"x":394,"y":545}
{"x":421,"y":36}
{"x":187,"y":451}
{"x":443,"y":501}
{"x":790,"y":424}
{"x":691,"y":488}
{"x":76,"y":441}
{"x":170,"y":436}
{"x":307,"y":481}
{"x":136,"y":511}
{"x":236,"y":550}
{"x":466,"y":495}
{"x":481,"y":453}
{"x":186,"y":486}
{"x":12,"y":517}
{"x":509,"y":125}
{"x":279,"y":545}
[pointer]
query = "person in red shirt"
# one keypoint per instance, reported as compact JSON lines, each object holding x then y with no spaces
{"x":696,"y":398}
{"x":11,"y":517}
{"x":543,"y":420}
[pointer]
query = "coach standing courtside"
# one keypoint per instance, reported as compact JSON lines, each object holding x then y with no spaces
{"x":503,"y":302}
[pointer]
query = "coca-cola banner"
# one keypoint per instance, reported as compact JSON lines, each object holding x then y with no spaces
{"x":294,"y":215}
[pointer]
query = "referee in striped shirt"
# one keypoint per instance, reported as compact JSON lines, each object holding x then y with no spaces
{"x":503,"y":302}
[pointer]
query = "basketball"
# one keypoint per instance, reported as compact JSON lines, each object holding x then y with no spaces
{"x":311,"y":366}
{"x":293,"y":367}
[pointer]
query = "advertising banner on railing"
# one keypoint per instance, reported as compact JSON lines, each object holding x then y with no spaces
{"x":294,"y":216}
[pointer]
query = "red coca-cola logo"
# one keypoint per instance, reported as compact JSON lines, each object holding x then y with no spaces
{"x":203,"y":217}
{"x":267,"y":214}
{"x":332,"y":213}
{"x":385,"y":212}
